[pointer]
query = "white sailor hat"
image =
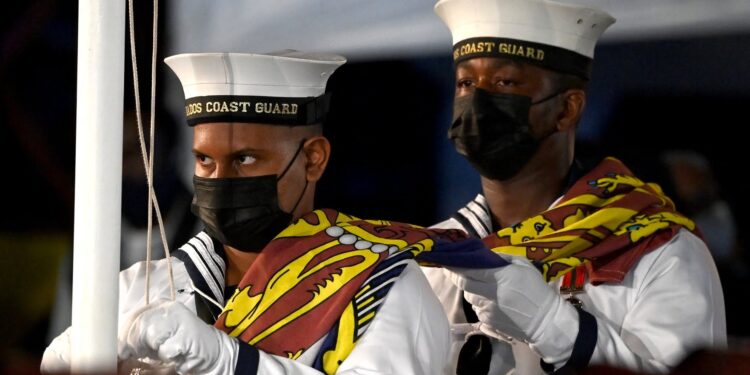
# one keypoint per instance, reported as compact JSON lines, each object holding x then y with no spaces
{"x":553,"y":35}
{"x":286,"y":88}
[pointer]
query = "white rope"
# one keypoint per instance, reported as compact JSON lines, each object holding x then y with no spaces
{"x":206,"y":296}
{"x":148,"y":158}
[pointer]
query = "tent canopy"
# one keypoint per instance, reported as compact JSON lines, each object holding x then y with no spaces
{"x":366,"y":29}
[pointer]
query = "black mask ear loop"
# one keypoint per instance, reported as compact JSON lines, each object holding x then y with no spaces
{"x":554,"y":130}
{"x":548,"y":97}
{"x":296,"y":153}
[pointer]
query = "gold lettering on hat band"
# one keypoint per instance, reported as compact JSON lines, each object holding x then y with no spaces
{"x":221,"y":107}
{"x":288,"y":111}
{"x":523,"y":51}
{"x":473,"y":48}
{"x":547,"y":56}
{"x":192,"y":109}
{"x":276,"y":108}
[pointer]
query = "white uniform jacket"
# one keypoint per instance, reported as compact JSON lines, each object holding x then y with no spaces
{"x":669,"y":304}
{"x":408,"y":335}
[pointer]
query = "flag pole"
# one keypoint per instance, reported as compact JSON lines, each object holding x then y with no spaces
{"x":98,"y":177}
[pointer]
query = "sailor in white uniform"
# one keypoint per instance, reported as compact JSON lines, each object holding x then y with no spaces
{"x":605,"y":271}
{"x":259,"y":152}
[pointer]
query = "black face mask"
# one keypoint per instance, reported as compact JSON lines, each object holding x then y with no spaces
{"x":492,"y":131}
{"x":242,"y":212}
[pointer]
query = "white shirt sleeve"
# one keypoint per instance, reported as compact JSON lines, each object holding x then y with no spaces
{"x":670,"y":304}
{"x":409,"y":335}
{"x":133,"y":285}
{"x":56,"y":356}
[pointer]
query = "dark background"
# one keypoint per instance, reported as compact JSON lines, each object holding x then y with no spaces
{"x":391,"y":158}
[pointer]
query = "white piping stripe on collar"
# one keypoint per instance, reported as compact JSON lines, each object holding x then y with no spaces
{"x":211,"y":265}
{"x":202,"y":267}
{"x":372,"y":277}
{"x":477,"y":214}
{"x":206,"y":239}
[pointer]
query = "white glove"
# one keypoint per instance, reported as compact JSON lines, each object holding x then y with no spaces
{"x":56,"y":357}
{"x":167,"y":331}
{"x":514,"y":300}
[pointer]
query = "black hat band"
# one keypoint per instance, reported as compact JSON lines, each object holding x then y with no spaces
{"x":257,"y":109}
{"x":545,"y":56}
